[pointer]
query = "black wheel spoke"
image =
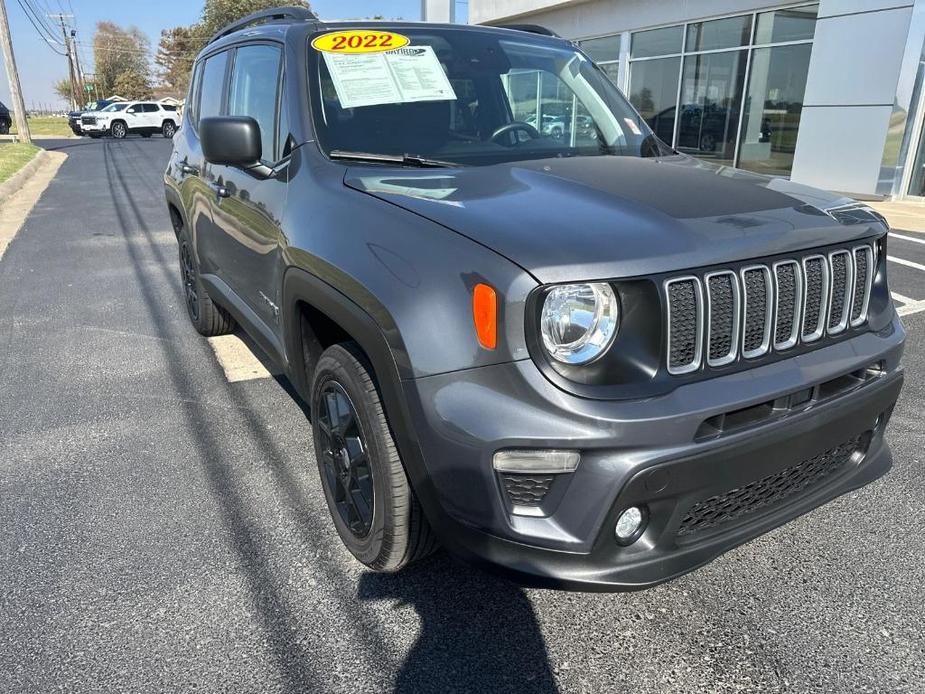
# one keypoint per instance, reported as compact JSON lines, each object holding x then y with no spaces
{"x":344,"y":460}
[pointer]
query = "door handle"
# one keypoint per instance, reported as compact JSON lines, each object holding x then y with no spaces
{"x":222,"y":192}
{"x":189,"y":170}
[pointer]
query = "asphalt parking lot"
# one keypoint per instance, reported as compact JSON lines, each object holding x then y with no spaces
{"x":164,"y":529}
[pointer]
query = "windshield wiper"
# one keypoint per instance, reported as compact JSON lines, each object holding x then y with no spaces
{"x":400,"y":159}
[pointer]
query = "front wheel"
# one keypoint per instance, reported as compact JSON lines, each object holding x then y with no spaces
{"x":371,"y":502}
{"x":169,"y":129}
{"x":119,"y":130}
{"x":4,"y":129}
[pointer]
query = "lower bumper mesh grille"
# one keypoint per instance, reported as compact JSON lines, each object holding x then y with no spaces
{"x":768,"y":491}
{"x":526,"y":490}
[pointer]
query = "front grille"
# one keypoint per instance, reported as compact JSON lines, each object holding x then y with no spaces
{"x":724,"y":315}
{"x":526,"y":490}
{"x":768,"y":491}
{"x":88,"y":120}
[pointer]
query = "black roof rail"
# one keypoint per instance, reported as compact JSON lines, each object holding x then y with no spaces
{"x":275,"y":14}
{"x":530,"y":28}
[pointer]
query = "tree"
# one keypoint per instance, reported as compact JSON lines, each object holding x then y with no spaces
{"x":175,"y":54}
{"x":117,"y":51}
{"x":132,"y":84}
{"x":218,"y":13}
{"x":62,"y":88}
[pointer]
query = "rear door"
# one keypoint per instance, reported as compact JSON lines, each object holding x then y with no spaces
{"x":152,"y":116}
{"x":249,"y":207}
{"x":197,"y":186}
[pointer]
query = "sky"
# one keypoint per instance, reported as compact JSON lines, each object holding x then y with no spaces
{"x":39,"y":66}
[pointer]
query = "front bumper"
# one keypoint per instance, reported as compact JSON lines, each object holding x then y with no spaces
{"x":647,"y":453}
{"x":95,"y":127}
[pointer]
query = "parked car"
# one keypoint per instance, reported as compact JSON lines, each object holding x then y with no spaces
{"x":74,"y":117}
{"x":142,"y":117}
{"x":593,"y":366}
{"x":96,"y":124}
{"x":6,"y":120}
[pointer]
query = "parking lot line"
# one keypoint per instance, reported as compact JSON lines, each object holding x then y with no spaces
{"x":903,"y":299}
{"x":907,"y":238}
{"x":237,"y":359}
{"x":907,"y":263}
{"x":909,"y":309}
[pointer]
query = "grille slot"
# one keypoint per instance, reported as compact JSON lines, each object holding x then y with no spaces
{"x":863,"y":281}
{"x":788,"y":285}
{"x":840,"y":286}
{"x":816,"y":273}
{"x":723,"y":307}
{"x":768,"y":491}
{"x":526,"y":490}
{"x":756,"y":331}
{"x":685,"y":324}
{"x":759,"y":309}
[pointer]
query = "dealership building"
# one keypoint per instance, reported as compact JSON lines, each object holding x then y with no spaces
{"x":828,"y":93}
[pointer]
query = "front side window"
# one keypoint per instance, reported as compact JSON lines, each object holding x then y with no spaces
{"x":213,"y":84}
{"x":473,"y":98}
{"x":253,"y":91}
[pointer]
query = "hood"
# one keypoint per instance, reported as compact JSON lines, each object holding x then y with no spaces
{"x":587,"y":218}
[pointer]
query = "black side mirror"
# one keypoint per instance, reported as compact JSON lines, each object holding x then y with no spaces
{"x":231,"y":141}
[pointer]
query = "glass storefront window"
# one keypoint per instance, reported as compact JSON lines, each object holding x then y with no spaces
{"x":795,"y":24}
{"x":711,"y":96}
{"x":646,"y":44}
{"x":602,"y":50}
{"x":772,"y":109}
{"x":720,"y":33}
{"x":612,"y":70}
{"x":654,"y":93}
{"x":917,"y":185}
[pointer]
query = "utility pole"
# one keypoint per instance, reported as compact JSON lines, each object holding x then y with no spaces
{"x":80,"y":75}
{"x":19,"y":108}
{"x":75,"y":95}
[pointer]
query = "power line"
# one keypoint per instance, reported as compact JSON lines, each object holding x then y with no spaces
{"x":50,"y":42}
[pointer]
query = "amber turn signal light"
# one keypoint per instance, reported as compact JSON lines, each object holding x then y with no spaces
{"x":485,"y":315}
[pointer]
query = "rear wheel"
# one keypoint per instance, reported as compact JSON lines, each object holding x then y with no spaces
{"x":119,"y":130}
{"x":371,"y":502}
{"x":169,"y":129}
{"x":208,"y":318}
{"x":4,"y":128}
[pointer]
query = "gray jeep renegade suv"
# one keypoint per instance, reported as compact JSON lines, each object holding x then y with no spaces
{"x":585,"y":358}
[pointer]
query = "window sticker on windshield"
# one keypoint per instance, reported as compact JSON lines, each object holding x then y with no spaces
{"x":401,"y":76}
{"x":362,"y":41}
{"x":632,"y":126}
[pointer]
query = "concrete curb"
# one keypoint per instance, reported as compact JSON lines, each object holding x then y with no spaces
{"x":18,"y":179}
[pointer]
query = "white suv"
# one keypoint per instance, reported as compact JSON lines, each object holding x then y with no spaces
{"x":142,"y":117}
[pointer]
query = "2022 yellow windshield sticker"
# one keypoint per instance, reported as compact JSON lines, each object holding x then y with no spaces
{"x":359,"y":41}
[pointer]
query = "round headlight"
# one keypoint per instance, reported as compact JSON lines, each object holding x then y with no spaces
{"x":579,"y":321}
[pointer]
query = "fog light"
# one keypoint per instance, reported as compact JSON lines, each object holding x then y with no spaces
{"x":629,"y":525}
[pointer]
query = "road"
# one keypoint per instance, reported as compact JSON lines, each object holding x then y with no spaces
{"x":164,"y":529}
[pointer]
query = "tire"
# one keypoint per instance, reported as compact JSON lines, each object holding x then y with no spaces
{"x":169,"y":129}
{"x":4,"y":128}
{"x":207,"y":317}
{"x":707,"y":143}
{"x":119,"y":130}
{"x":395,"y":532}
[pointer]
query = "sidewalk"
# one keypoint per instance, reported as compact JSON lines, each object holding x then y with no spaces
{"x":902,"y":215}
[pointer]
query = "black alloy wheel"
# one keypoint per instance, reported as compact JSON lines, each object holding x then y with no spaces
{"x":190,"y":289}
{"x":347,"y":471}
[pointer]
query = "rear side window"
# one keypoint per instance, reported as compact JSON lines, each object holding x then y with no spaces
{"x":168,"y":107}
{"x":213,"y":83}
{"x":150,"y":108}
{"x":253,"y":91}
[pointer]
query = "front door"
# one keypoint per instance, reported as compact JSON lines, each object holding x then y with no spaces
{"x":249,"y":207}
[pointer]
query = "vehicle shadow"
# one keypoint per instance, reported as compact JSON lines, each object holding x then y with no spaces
{"x":478,"y":632}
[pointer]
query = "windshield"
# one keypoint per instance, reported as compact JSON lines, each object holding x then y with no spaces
{"x":472,"y":97}
{"x":114,"y":107}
